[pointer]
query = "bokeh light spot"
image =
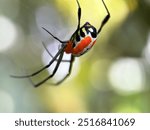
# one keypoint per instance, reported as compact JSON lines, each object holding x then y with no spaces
{"x":8,"y":33}
{"x":126,"y":76}
{"x":6,"y":101}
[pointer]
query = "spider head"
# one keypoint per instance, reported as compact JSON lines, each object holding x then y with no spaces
{"x":90,"y":29}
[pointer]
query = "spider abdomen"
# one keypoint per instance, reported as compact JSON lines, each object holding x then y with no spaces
{"x":81,"y":47}
{"x":82,"y":40}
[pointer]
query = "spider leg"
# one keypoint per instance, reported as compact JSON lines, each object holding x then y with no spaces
{"x":79,"y":15}
{"x":105,"y":20}
{"x":60,"y":52}
{"x":53,"y":73}
{"x":51,"y":54}
{"x":69,"y":71}
{"x":79,"y":18}
{"x":54,"y":36}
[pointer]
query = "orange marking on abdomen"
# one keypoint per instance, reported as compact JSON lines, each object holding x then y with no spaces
{"x":79,"y":49}
{"x":69,"y":47}
{"x":82,"y":45}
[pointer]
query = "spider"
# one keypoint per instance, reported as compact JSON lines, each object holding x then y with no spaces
{"x":81,"y":41}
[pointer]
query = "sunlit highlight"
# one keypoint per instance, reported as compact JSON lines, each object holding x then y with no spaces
{"x":91,"y":9}
{"x":126,"y":108}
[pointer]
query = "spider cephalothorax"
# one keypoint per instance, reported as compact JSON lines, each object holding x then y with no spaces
{"x":80,"y":42}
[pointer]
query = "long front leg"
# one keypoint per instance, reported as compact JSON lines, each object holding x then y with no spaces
{"x":51,"y":54}
{"x":79,"y":15}
{"x":105,"y":20}
{"x":53,"y":73}
{"x":69,"y":71}
{"x":45,"y":67}
{"x":54,"y":36}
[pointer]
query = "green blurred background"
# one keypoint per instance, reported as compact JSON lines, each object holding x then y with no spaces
{"x":113,"y":77}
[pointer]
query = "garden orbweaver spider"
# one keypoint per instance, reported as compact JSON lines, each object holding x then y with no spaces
{"x":80,"y":42}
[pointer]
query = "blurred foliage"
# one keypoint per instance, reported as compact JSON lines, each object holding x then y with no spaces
{"x":90,"y":89}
